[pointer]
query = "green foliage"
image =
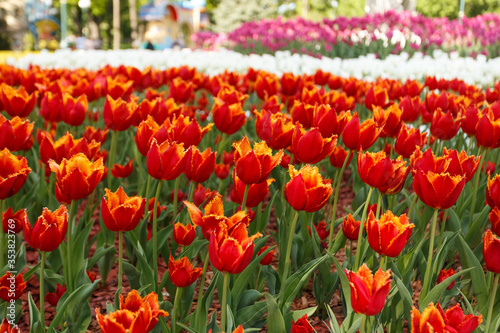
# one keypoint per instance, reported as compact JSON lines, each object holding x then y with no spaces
{"x":450,"y":8}
{"x":229,"y":14}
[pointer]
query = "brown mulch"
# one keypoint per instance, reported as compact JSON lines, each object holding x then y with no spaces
{"x":106,"y":292}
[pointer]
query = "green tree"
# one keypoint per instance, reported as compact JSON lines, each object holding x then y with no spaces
{"x":229,"y":14}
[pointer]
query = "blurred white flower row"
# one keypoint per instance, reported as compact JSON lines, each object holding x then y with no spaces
{"x":479,"y":71}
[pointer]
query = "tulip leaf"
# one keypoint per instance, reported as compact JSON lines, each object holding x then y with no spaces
{"x":469,"y":260}
{"x":249,"y":297}
{"x":296,"y":315}
{"x":344,"y":283}
{"x":295,"y":282}
{"x":435,"y":294}
{"x":333,"y":326}
{"x":75,"y":309}
{"x":229,"y":319}
{"x":252,"y":315}
{"x":275,"y":321}
{"x":475,"y":233}
{"x":199,"y":319}
{"x":98,"y":254}
{"x":187,"y":328}
{"x":405,"y":294}
{"x":35,"y":323}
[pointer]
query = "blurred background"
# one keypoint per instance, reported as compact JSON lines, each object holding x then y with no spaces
{"x":27,"y":25}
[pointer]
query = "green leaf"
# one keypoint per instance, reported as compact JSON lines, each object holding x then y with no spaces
{"x":344,"y":283}
{"x":469,"y":260}
{"x":296,"y":315}
{"x":275,"y":321}
{"x":435,"y":294}
{"x":252,"y":315}
{"x":35,"y":324}
{"x":199,"y":319}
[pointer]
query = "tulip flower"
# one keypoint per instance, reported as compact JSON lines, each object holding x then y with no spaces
{"x":182,"y":273}
{"x":180,"y":90}
{"x":338,"y":157}
{"x":350,"y":227}
{"x":95,"y":134}
{"x":166,"y":161}
{"x":53,"y":298}
{"x":76,"y":177}
{"x":146,"y":131}
{"x":228,"y":118}
{"x":119,"y":87}
{"x":135,"y":303}
{"x":275,"y":129}
{"x":199,"y":165}
{"x":358,"y":136}
{"x":184,"y":235}
{"x":13,"y":173}
{"x":48,"y":231}
{"x":307,"y":190}
{"x":122,"y":171}
{"x":186,"y":130}
{"x":471,"y":119}
{"x":408,"y":140}
{"x":388,"y":235}
{"x":65,"y":147}
{"x":410,"y":107}
{"x":488,"y":131}
{"x":444,"y":274}
{"x":256,"y":193}
{"x":14,"y":133}
{"x":368,"y":291}
{"x":310,"y":146}
{"x":203,"y":195}
{"x":125,"y":321}
{"x":121,"y":212}
{"x":118,"y":114}
{"x":73,"y":110}
{"x":5,"y":327}
{"x":13,"y":222}
{"x":266,"y":85}
{"x":268,"y":258}
{"x":434,"y":319}
{"x":301,"y":325}
{"x":290,"y":84}
{"x":376,"y":96}
{"x":303,"y":113}
{"x":17,"y":103}
{"x":493,"y":191}
{"x":377,"y":170}
{"x":491,"y":252}
{"x":444,"y":126}
{"x":9,"y":294}
{"x":222,"y":170}
{"x":388,"y":120}
{"x":329,"y":121}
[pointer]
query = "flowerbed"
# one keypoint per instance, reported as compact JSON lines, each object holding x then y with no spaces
{"x":381,"y":34}
{"x":232,"y":183}
{"x":481,"y":71}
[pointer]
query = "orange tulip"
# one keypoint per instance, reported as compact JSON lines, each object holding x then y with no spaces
{"x":254,"y":166}
{"x":121,"y":212}
{"x":65,"y":147}
{"x":119,"y":87}
{"x":231,"y":251}
{"x":307,"y":190}
{"x":13,"y":222}
{"x":48,"y":231}
{"x":358,"y":136}
{"x":95,"y":134}
{"x":228,"y":118}
{"x":14,"y":133}
{"x":146,"y":132}
{"x":13,"y":173}
{"x":199,"y":166}
{"x":184,"y":234}
{"x":437,"y":181}
{"x":310,"y":147}
{"x":388,"y":235}
{"x":76,"y":177}
{"x":434,"y":319}
{"x":181,"y":272}
{"x":275,"y":129}
{"x":350,"y":227}
{"x":408,"y":140}
{"x":166,"y":161}
{"x":379,"y":171}
{"x":491,"y":252}
{"x":7,"y":293}
{"x":256,"y":192}
{"x":122,"y":171}
{"x":118,"y":114}
{"x":368,"y":292}
{"x":134,"y":302}
{"x":17,"y":103}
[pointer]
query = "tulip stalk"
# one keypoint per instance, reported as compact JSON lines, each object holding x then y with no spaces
{"x":176,"y":190}
{"x":177,"y":302}
{"x":443,"y":224}
{"x":361,"y":228}
{"x":112,"y":153}
{"x":379,"y":205}
{"x":192,"y":186}
{"x":427,"y":276}
{"x":289,"y":248}
{"x":120,"y":260}
{"x":69,"y":237}
{"x":492,"y":303}
{"x":338,"y":180}
{"x":476,"y":183}
{"x":154,"y":235}
{"x":245,"y":195}
{"x":362,"y":329}
{"x":224,"y":303}
{"x":146,"y":195}
{"x":42,"y":295}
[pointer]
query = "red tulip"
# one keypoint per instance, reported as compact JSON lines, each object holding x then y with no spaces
{"x":182,"y":273}
{"x":275,"y":129}
{"x":256,"y":192}
{"x":268,"y":258}
{"x":307,"y":190}
{"x":15,"y":133}
{"x":338,"y":156}
{"x":73,"y":110}
{"x":48,"y":231}
{"x":301,"y":325}
{"x":118,"y":114}
{"x":13,"y":173}
{"x":376,"y":96}
{"x":491,"y":252}
{"x":410,"y":107}
{"x":166,"y":161}
{"x":17,"y":103}
{"x":444,"y":274}
{"x":444,"y":126}
{"x":350,"y":227}
{"x":358,"y":136}
{"x":121,"y":212}
{"x":388,"y":235}
{"x":184,"y":234}
{"x":408,"y":140}
{"x":13,"y":222}
{"x":9,"y":294}
{"x":228,"y":118}
{"x":199,"y":166}
{"x":53,"y":298}
{"x":310,"y":147}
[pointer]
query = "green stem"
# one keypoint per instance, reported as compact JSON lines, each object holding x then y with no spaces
{"x":120,"y":260}
{"x":383,"y":262}
{"x":350,"y":255}
{"x":415,"y":197}
{"x":112,"y":153}
{"x":146,"y":195}
{"x":192,"y":187}
{"x":441,"y":231}
{"x":202,"y":280}
{"x":475,"y":184}
{"x":245,"y":195}
{"x":51,"y":184}
{"x":2,"y":252}
{"x":492,"y":303}
{"x":258,"y":277}
{"x":69,"y":236}
{"x":427,"y":278}
{"x":289,"y":248}
{"x":224,"y":303}
{"x":379,"y":205}
{"x":176,"y":190}
{"x":42,"y":294}
{"x":330,"y":200}
{"x":155,"y":236}
{"x":177,"y":301}
{"x":362,"y":329}
{"x":334,"y":207}
{"x":361,"y":229}
{"x":221,"y":144}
